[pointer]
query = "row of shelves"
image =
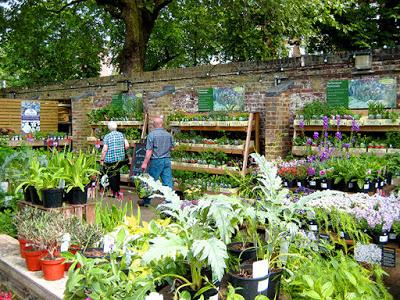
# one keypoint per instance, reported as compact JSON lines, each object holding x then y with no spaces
{"x":304,"y":150}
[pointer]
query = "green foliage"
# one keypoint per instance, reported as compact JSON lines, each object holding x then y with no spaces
{"x":6,"y":223}
{"x":109,"y":217}
{"x":78,"y":169}
{"x":317,"y":109}
{"x":40,"y":45}
{"x":336,"y":277}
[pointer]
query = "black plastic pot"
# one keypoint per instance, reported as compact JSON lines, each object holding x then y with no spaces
{"x":99,"y":251}
{"x":380,"y":238}
{"x":325,"y":184}
{"x":34,"y":195}
{"x":76,"y":196}
{"x":27,"y":194}
{"x":389,"y":178}
{"x":249,"y":253}
{"x":288,"y":184}
{"x":248,"y":287}
{"x":52,"y":198}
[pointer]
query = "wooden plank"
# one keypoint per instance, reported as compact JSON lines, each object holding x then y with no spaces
{"x":257,"y":132}
{"x":247,"y":144}
{"x":215,"y":128}
{"x":209,"y":147}
{"x":203,"y":169}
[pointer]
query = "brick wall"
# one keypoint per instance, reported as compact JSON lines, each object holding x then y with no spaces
{"x":166,"y":91}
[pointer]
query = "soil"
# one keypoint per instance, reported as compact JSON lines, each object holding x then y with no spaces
{"x":94,"y":253}
{"x":241,"y":247}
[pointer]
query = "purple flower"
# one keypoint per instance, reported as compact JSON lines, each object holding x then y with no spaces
{"x":325,"y":121}
{"x":346,"y":145}
{"x":310,"y":171}
{"x":338,"y":120}
{"x":338,"y":136}
{"x":309,"y":142}
{"x":355,"y":126}
{"x":316,"y":135}
{"x":324,"y":156}
{"x":301,"y":124}
{"x":326,"y":134}
{"x":311,"y":159}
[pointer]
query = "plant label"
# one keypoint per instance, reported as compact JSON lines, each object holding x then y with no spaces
{"x":154,"y":296}
{"x":314,"y":227}
{"x":388,"y":257}
{"x":366,"y":186}
{"x":383,"y":238}
{"x":324,"y":185}
{"x":108,"y":244}
{"x":66,"y":238}
{"x":260,"y":269}
{"x":285,"y":183}
{"x":299,"y":183}
{"x":313,"y":183}
{"x":392,"y":236}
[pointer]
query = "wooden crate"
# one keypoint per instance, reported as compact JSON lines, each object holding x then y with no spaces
{"x":80,"y":210}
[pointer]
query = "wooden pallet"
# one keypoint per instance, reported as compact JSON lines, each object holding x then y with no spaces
{"x":79,"y":210}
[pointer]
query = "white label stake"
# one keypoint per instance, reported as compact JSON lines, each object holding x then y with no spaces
{"x":260,"y":269}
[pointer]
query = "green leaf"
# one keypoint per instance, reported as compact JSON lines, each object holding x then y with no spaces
{"x":162,"y":247}
{"x":309,"y":280}
{"x":185,"y":295}
{"x":214,"y":251}
{"x":312,"y":294}
{"x":351,"y":278}
{"x":327,"y":289}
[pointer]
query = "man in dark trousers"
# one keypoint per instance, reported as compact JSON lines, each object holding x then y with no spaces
{"x":158,"y":156}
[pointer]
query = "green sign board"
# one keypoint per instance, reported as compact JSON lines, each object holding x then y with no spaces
{"x":206,"y":100}
{"x":337,"y":93}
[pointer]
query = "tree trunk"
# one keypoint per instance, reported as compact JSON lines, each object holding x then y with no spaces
{"x":139,"y":22}
{"x":136,"y":37}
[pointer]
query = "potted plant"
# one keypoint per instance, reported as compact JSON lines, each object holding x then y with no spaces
{"x":325,"y":178}
{"x":78,"y":169}
{"x":32,"y":179}
{"x":281,"y":224}
{"x":50,"y":229}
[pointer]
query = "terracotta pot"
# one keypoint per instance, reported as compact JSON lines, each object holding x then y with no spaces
{"x":32,"y":259}
{"x":22,"y":247}
{"x":53,"y":269}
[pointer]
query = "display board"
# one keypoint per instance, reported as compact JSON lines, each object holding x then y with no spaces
{"x":382,"y":90}
{"x":388,"y":257}
{"x":206,"y":100}
{"x":139,"y":153}
{"x":337,"y":93}
{"x":30,"y":116}
{"x":221,"y":99}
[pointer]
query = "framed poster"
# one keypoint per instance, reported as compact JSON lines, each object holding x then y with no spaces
{"x":228,"y":99}
{"x":337,"y":93}
{"x":30,"y":116}
{"x":382,"y":90}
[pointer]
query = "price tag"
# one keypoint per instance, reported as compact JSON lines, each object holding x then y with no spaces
{"x":65,"y":242}
{"x":285,"y":183}
{"x":108,"y":244}
{"x":314,"y":227}
{"x":260,"y":269}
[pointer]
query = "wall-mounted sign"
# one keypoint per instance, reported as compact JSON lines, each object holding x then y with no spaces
{"x":382,"y":90}
{"x":221,"y":99}
{"x":337,"y":93}
{"x":30,"y":116}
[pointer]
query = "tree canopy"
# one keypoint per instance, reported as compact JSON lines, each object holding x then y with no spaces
{"x":50,"y":40}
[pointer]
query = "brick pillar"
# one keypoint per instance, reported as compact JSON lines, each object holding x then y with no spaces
{"x":80,"y":126}
{"x":277,"y":125}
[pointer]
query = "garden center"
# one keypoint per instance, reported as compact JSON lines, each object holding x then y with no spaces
{"x":165,"y":149}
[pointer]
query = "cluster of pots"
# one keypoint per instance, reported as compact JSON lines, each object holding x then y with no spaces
{"x":38,"y":260}
{"x":328,"y":184}
{"x":53,"y":198}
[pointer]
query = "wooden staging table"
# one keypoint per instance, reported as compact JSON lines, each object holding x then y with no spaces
{"x":79,"y":210}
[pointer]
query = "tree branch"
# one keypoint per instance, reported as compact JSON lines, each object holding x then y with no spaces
{"x":114,"y":8}
{"x":57,"y":11}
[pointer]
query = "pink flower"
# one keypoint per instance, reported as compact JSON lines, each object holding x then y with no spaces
{"x":322,"y":173}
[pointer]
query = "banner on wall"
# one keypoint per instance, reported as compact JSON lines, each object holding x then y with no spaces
{"x":221,"y":99}
{"x":382,"y":90}
{"x":357,"y":93}
{"x":30,"y":116}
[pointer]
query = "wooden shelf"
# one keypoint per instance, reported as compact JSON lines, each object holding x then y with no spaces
{"x":37,"y":143}
{"x":229,"y":149}
{"x":203,"y":168}
{"x":93,"y":140}
{"x":247,"y":127}
{"x":119,"y":123}
{"x":225,"y":191}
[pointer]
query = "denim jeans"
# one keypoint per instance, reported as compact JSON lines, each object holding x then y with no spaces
{"x":160,"y":167}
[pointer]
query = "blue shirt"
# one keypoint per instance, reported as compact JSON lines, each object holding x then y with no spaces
{"x":161,"y":142}
{"x":116,"y":147}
